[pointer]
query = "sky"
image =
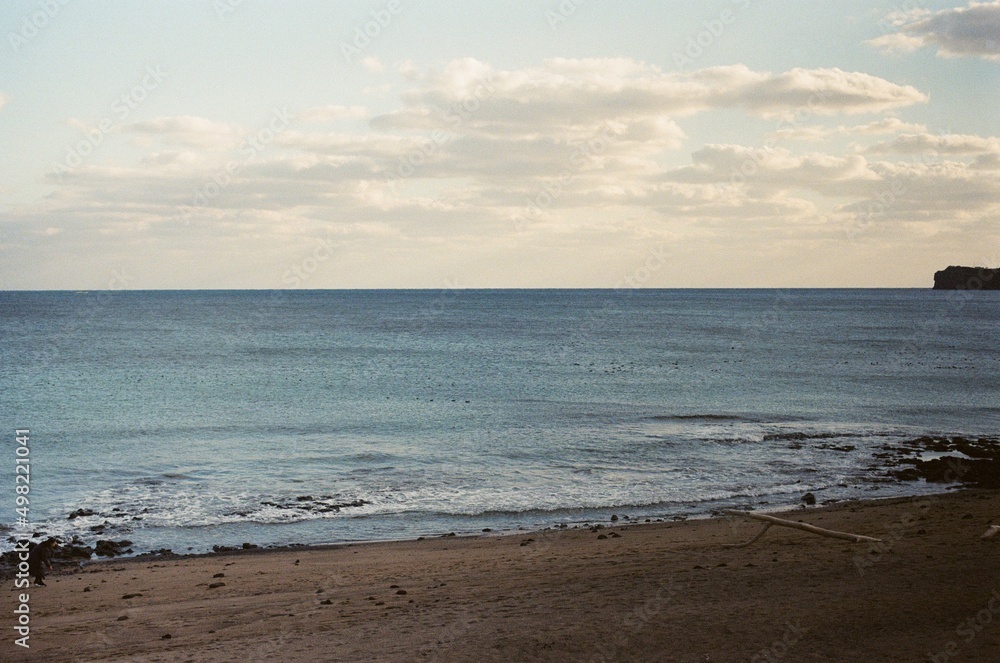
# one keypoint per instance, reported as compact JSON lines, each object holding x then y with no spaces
{"x":455,"y":144}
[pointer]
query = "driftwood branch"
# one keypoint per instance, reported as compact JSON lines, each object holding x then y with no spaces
{"x":992,"y":531}
{"x":771,"y":520}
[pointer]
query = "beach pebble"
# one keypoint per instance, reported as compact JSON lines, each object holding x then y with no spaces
{"x":602,"y":536}
{"x":216,"y":585}
{"x":122,"y":618}
{"x":130,"y":596}
{"x":166,"y":636}
{"x":401,"y":592}
{"x":326,"y":602}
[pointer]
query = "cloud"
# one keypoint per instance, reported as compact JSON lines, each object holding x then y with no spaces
{"x":938,"y":144}
{"x":970,"y":31}
{"x":332,"y":113}
{"x":769,"y":171}
{"x":372,"y":64}
{"x":587,"y":150}
{"x":574,"y":98}
{"x":185,"y":129}
{"x":888,"y":125}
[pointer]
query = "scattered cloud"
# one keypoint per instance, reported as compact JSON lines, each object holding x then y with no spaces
{"x":332,"y":113}
{"x":372,"y":64}
{"x":573,"y":149}
{"x":577,"y":97}
{"x":889,"y":125}
{"x":185,"y":129}
{"x":938,"y":144}
{"x":970,"y":31}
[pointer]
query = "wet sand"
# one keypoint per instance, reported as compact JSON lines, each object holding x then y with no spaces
{"x":654,"y":592}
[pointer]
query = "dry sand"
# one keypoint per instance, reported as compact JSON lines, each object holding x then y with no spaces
{"x":658,"y":592}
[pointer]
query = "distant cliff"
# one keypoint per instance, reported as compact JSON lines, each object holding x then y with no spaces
{"x":967,"y":278}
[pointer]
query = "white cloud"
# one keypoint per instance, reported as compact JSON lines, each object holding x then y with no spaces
{"x":579,"y":148}
{"x":938,"y":144}
{"x":973,"y":30}
{"x":372,"y":64}
{"x":332,"y":113}
{"x":814,"y":133}
{"x":575,"y":97}
{"x":186,"y":130}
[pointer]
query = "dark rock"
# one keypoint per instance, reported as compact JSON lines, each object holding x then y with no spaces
{"x":130,"y":596}
{"x":401,"y":592}
{"x":967,"y":278}
{"x":70,"y":552}
{"x":82,"y":512}
{"x":107,"y":548}
{"x":166,"y":636}
{"x":220,"y":549}
{"x":122,"y":618}
{"x":326,"y":602}
{"x":219,"y":575}
{"x":614,"y":518}
{"x":602,"y":536}
{"x":809,"y":499}
{"x":250,"y":546}
{"x":216,"y":585}
{"x":981,"y":468}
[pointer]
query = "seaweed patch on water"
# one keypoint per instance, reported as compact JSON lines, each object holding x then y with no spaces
{"x":321,"y":504}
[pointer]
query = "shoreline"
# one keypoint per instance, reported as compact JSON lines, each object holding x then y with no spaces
{"x":664,"y":591}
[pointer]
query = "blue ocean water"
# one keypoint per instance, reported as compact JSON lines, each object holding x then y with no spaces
{"x":194,"y":418}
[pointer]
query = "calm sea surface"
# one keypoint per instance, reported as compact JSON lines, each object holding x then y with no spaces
{"x":188,"y":419}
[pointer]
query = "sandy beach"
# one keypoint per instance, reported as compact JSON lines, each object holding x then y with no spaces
{"x":624,"y":592}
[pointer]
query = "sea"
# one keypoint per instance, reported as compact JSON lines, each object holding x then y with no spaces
{"x":191,"y":419}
